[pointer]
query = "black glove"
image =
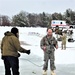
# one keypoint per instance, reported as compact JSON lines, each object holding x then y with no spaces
{"x":19,"y":55}
{"x":54,"y":45}
{"x":28,"y":52}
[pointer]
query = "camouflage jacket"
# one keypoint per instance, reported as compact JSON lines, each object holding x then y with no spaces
{"x":49,"y":42}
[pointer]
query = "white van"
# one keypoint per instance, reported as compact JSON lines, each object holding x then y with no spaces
{"x":60,"y":23}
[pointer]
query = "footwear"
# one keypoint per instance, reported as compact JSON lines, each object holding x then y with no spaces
{"x":44,"y":72}
{"x":53,"y":73}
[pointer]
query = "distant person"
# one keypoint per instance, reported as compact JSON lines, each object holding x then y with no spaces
{"x":57,"y":31}
{"x":48,"y":44}
{"x":10,"y":46}
{"x":63,"y":37}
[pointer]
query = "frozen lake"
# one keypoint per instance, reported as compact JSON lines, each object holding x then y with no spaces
{"x":32,"y":64}
{"x":35,"y":68}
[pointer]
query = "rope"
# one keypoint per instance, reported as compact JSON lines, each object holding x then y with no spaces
{"x":32,"y":62}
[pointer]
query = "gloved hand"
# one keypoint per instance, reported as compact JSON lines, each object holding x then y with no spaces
{"x":28,"y":52}
{"x":19,"y":55}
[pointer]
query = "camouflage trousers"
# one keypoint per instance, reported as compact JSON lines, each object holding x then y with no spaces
{"x":47,"y":57}
{"x":63,"y":46}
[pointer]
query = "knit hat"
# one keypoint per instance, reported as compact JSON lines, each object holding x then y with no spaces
{"x":14,"y":30}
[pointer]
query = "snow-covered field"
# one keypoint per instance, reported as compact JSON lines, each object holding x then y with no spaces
{"x":32,"y":37}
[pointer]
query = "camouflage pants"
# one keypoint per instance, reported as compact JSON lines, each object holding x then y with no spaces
{"x":63,"y":46}
{"x":47,"y":57}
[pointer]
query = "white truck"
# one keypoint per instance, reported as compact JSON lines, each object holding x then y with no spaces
{"x":60,"y":23}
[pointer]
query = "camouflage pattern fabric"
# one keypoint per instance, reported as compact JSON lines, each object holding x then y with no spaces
{"x":50,"y":43}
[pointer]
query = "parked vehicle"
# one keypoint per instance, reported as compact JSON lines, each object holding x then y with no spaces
{"x":60,"y":23}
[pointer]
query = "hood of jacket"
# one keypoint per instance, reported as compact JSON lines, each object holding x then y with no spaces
{"x":8,"y":33}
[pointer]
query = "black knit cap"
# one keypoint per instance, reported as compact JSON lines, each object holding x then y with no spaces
{"x":14,"y":30}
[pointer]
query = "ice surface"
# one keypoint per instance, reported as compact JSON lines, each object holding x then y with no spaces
{"x":64,"y":59}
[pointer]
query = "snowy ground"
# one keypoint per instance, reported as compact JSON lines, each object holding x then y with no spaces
{"x":32,"y":64}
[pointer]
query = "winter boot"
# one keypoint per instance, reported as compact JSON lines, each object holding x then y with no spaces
{"x":44,"y":72}
{"x":53,"y":73}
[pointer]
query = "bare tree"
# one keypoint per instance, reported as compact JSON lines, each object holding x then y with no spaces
{"x":5,"y":21}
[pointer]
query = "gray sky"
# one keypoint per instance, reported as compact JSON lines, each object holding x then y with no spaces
{"x":12,"y":7}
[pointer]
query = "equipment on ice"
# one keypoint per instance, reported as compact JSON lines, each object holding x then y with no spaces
{"x":71,"y":40}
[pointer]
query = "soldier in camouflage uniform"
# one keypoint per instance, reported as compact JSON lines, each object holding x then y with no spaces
{"x":63,"y":37}
{"x":48,"y":45}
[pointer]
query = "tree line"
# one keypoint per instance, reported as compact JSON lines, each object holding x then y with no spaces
{"x":25,"y":19}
